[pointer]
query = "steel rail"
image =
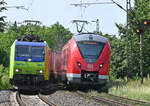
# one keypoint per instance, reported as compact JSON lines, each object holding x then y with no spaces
{"x":129,"y":99}
{"x":19,"y":100}
{"x":46,"y":100}
{"x":104,"y":100}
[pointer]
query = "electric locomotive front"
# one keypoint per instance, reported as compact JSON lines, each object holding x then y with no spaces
{"x":29,"y":64}
{"x":88,"y":57}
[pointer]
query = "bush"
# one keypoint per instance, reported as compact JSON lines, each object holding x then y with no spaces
{"x":4,"y":79}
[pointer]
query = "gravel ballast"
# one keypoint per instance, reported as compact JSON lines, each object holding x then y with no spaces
{"x":60,"y":98}
{"x":5,"y":98}
{"x":67,"y":98}
{"x":33,"y":100}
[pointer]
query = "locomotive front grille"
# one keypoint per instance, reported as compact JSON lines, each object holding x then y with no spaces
{"x":28,"y":79}
{"x":89,"y":76}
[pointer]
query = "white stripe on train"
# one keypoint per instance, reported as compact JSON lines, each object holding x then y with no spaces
{"x":79,"y":76}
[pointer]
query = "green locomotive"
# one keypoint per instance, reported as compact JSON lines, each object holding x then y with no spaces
{"x":29,"y":64}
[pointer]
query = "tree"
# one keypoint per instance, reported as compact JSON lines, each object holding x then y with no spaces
{"x":55,"y":35}
{"x":139,"y":12}
{"x":118,"y":64}
{"x":60,"y":35}
{"x":2,"y":22}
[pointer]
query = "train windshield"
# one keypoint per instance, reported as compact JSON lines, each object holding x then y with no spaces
{"x":90,"y":50}
{"x":22,"y":51}
{"x":37,"y":52}
{"x":29,"y":51}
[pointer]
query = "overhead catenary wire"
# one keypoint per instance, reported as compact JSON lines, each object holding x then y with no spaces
{"x":31,"y":4}
{"x":84,"y":5}
{"x":17,"y":7}
{"x":88,"y":4}
{"x":29,"y":9}
{"x":119,"y":5}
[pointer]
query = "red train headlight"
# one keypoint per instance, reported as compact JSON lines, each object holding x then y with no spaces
{"x":79,"y":64}
{"x":101,"y":65}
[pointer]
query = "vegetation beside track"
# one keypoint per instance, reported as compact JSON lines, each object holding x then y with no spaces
{"x":132,"y":89}
{"x":4,"y":80}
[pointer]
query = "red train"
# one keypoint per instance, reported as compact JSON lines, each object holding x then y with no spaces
{"x":55,"y":66}
{"x":85,"y":60}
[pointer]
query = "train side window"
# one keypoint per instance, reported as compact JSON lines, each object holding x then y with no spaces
{"x":65,"y":57}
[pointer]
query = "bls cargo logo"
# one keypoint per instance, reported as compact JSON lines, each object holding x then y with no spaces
{"x":90,"y":66}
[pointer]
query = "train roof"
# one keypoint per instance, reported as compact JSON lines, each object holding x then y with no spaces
{"x":90,"y":37}
{"x":30,"y":43}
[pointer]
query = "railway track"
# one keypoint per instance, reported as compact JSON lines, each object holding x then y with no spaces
{"x":44,"y":99}
{"x":130,"y":100}
{"x":114,"y":102}
{"x":47,"y":101}
{"x":19,"y":99}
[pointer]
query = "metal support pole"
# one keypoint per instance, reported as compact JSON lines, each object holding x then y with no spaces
{"x":127,"y":45}
{"x":97,"y":26}
{"x":141,"y":58}
{"x":130,"y":40}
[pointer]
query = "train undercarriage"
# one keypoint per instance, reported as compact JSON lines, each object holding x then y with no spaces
{"x":29,"y":82}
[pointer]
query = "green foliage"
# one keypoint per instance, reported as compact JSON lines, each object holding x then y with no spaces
{"x":2,"y":22}
{"x":120,"y":50}
{"x":6,"y":41}
{"x":55,"y":35}
{"x":132,"y":89}
{"x":141,"y":11}
{"x":4,"y":80}
{"x":61,"y":35}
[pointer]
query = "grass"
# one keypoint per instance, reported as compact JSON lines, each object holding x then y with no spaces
{"x":4,"y":79}
{"x":132,"y":89}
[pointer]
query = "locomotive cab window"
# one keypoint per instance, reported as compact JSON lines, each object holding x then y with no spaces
{"x":90,"y":50}
{"x":22,"y":51}
{"x":37,"y":52}
{"x":30,"y":51}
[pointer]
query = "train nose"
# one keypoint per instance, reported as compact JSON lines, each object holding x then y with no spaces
{"x":90,"y":66}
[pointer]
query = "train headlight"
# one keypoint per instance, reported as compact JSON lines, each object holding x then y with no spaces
{"x":101,"y":65}
{"x":79,"y":64}
{"x":18,"y":70}
{"x":39,"y":71}
{"x":29,"y":60}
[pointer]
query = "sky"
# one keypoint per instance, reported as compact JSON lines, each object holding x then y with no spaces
{"x":51,"y":11}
